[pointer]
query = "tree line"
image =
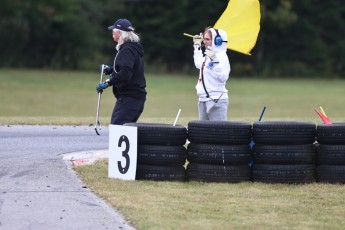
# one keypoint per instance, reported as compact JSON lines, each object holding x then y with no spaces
{"x":297,"y":38}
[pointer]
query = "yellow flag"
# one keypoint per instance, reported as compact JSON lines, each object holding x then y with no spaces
{"x":241,"y":21}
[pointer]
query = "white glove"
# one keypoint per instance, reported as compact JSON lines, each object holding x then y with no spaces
{"x":197,"y":39}
{"x":211,"y":54}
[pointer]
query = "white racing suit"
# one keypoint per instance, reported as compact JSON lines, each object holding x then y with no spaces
{"x":214,"y":76}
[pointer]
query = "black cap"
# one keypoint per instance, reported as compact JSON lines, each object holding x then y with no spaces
{"x":122,"y":24}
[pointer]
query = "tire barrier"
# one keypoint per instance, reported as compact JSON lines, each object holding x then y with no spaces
{"x":293,"y":173}
{"x":284,"y":132}
{"x":218,"y":151}
{"x":330,"y":153}
{"x":284,"y":152}
{"x":218,"y":173}
{"x":160,"y":134}
{"x":219,"y":132}
{"x":218,"y":154}
{"x":161,"y":154}
{"x":331,"y":134}
{"x":331,"y":173}
{"x":160,"y":173}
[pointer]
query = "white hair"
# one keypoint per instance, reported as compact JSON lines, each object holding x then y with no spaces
{"x":126,"y":36}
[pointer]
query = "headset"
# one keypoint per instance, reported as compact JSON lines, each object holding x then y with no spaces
{"x":218,"y":41}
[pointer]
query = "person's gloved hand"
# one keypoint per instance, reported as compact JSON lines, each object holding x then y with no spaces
{"x":197,"y":39}
{"x":101,"y":86}
{"x":106,"y":69}
{"x":211,"y":54}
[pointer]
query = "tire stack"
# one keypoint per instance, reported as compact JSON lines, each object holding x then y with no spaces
{"x":161,"y":154}
{"x":218,"y":151}
{"x":331,"y":153}
{"x":284,"y":152}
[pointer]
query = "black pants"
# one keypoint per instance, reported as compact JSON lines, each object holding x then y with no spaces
{"x":127,"y":110}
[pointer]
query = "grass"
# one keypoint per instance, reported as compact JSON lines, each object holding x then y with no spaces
{"x":60,"y":98}
{"x":196,"y":205}
{"x":69,"y":98}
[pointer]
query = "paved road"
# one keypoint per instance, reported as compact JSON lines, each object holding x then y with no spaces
{"x":38,"y":190}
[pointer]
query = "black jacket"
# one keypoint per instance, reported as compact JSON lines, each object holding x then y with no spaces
{"x":128,"y":79}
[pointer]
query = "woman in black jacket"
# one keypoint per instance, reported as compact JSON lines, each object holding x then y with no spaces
{"x":126,"y":75}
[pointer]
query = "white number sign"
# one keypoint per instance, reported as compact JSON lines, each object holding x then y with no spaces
{"x":122,"y":152}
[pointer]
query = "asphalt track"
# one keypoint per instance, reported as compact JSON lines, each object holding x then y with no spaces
{"x":39,"y":190}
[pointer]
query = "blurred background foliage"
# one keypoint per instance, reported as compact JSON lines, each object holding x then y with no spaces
{"x":297,"y":38}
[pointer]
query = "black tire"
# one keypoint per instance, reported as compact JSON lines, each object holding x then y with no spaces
{"x":284,"y":132}
{"x":219,"y":132}
{"x":284,"y":154}
{"x":218,"y":154}
{"x":160,"y":134}
{"x":331,"y":173}
{"x":161,"y":155}
{"x":330,"y":154}
{"x":331,"y":133}
{"x":218,"y":173}
{"x":160,"y":173}
{"x":291,"y":174}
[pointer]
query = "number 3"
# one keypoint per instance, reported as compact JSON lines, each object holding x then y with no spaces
{"x":124,"y":170}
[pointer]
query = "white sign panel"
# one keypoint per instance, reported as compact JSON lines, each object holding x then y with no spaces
{"x":122,"y":152}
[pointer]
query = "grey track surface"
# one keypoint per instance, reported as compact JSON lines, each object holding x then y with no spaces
{"x":39,"y":190}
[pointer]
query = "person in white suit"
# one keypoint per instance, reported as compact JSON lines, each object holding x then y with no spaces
{"x":214,"y":66}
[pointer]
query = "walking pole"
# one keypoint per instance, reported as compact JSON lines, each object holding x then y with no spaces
{"x":97,"y":124}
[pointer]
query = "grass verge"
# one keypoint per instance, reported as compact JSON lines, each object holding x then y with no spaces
{"x":195,"y":205}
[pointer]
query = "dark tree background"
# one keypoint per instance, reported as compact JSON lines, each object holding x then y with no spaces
{"x":297,"y":38}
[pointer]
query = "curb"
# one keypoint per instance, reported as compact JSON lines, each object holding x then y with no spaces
{"x":85,"y":157}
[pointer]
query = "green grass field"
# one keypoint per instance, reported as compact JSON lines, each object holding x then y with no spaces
{"x":66,"y":98}
{"x":46,"y":97}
